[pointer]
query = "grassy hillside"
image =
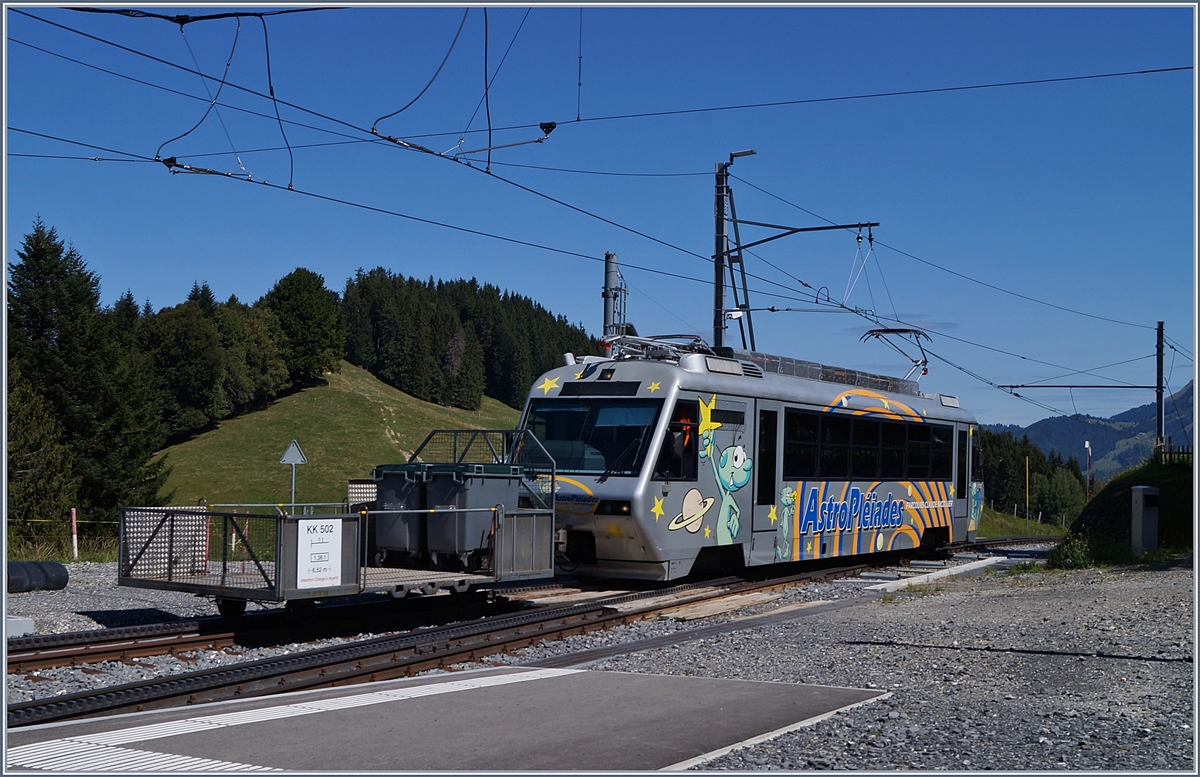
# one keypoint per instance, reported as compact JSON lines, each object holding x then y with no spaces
{"x":997,"y":524}
{"x":344,"y":428}
{"x":1105,"y":521}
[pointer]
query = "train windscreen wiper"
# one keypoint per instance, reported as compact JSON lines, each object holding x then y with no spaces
{"x":634,"y":444}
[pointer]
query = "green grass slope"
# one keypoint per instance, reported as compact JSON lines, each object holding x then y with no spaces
{"x":997,"y":524}
{"x":345,"y":428}
{"x":1106,"y":519}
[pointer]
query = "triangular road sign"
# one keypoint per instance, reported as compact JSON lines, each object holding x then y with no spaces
{"x":293,"y":455}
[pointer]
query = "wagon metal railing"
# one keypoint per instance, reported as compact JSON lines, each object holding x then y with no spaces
{"x":517,"y":448}
{"x":200,"y":550}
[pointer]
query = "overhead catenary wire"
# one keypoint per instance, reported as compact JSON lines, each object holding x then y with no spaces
{"x":275,"y":103}
{"x":530,"y":244}
{"x":746,"y":106}
{"x":487,"y":103}
{"x":1177,"y":347}
{"x":525,"y":188}
{"x":76,"y":158}
{"x":953,"y":272}
{"x":593,"y":214}
{"x":1092,"y":371}
{"x":579,"y":72}
{"x":212,"y":98}
{"x":213,"y":101}
{"x":176,"y":165}
{"x":169,"y":90}
{"x":435,"y":73}
{"x":183,"y":19}
{"x":136,"y":157}
{"x":479,"y":104}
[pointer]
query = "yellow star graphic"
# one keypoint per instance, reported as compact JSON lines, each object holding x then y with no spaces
{"x":951,"y":490}
{"x":808,"y":547}
{"x":657,"y":509}
{"x":886,"y":406}
{"x":653,"y":387}
{"x":772,"y":515}
{"x":579,"y":375}
{"x":706,"y":422}
{"x":548,"y":384}
{"x":707,"y":532}
{"x":612,"y":529}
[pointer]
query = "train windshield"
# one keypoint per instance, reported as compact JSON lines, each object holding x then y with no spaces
{"x":606,"y":437}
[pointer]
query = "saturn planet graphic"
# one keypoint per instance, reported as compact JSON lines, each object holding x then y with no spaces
{"x":695,"y":505}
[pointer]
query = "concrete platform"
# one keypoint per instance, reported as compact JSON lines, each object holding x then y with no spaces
{"x":490,"y":720}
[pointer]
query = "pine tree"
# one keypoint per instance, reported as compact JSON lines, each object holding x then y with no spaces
{"x":41,"y":483}
{"x":255,"y":372}
{"x":78,"y":358}
{"x":190,"y":367}
{"x":469,"y":382}
{"x":203,"y":296}
{"x":314,"y":339}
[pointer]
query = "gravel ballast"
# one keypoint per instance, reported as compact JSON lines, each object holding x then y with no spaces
{"x":1022,"y":670}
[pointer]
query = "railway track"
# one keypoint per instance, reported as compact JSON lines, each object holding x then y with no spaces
{"x":399,"y":655}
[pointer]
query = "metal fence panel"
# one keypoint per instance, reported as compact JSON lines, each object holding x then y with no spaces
{"x":192,"y":549}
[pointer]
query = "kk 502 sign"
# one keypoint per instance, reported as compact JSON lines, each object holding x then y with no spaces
{"x":319,"y":553}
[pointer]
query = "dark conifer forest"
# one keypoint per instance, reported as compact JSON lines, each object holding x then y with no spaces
{"x":95,"y":391}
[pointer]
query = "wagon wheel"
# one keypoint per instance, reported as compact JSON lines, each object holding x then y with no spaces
{"x":231,"y":608}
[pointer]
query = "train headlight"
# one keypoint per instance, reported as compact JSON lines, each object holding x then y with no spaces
{"x":613,"y":507}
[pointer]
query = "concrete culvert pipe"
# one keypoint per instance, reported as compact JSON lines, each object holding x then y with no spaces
{"x":26,"y":576}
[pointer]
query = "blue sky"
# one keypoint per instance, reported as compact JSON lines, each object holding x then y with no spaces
{"x":1079,"y":194}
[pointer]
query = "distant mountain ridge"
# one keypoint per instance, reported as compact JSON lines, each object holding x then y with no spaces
{"x":1118,"y":442}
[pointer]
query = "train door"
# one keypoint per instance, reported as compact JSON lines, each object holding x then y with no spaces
{"x":962,"y":468}
{"x":975,"y":506}
{"x":768,"y":443}
{"x":968,"y":482}
{"x":728,"y":449}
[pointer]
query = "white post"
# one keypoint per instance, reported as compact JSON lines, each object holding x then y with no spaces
{"x":74,"y":536}
{"x":293,"y":489}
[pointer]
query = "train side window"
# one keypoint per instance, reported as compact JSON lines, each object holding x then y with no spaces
{"x":728,"y":417}
{"x":677,"y":459}
{"x":960,"y":472}
{"x":865,"y":454}
{"x":765,"y":465}
{"x":941,"y":455}
{"x":835,"y":446}
{"x":976,"y":456}
{"x":800,"y":444}
{"x":893,"y":444}
{"x":918,"y":452}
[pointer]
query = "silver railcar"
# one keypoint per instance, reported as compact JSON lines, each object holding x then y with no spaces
{"x":670,"y":453}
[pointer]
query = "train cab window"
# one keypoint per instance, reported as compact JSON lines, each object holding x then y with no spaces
{"x":677,"y":458}
{"x":892,"y":447}
{"x":919,"y":438}
{"x":835,"y":446}
{"x":941,"y":454}
{"x":607,"y":437}
{"x":800,"y":444}
{"x":864,"y":461}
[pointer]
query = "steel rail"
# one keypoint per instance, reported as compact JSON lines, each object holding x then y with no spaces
{"x":401,"y":655}
{"x":377,"y":658}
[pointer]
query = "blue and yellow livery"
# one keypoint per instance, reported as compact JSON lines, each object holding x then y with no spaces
{"x":671,"y":454}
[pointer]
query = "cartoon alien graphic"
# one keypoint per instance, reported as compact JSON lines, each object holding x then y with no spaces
{"x":784,"y":529}
{"x":731,"y":467}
